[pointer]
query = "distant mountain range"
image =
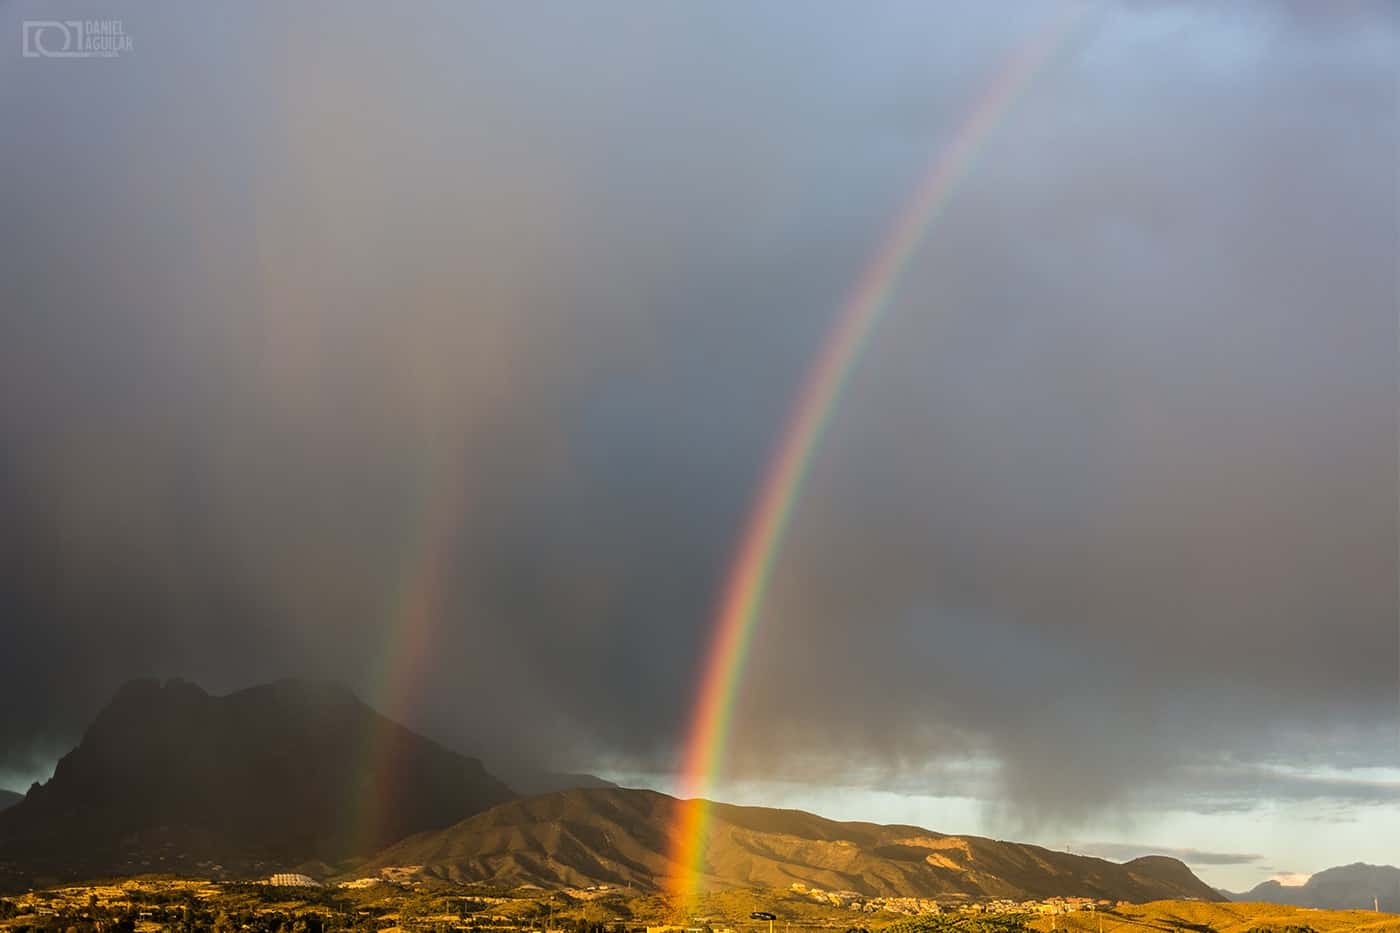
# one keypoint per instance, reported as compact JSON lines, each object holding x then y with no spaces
{"x":9,"y":798}
{"x":1346,"y":887}
{"x":618,"y":836}
{"x":304,"y":776}
{"x":170,"y":778}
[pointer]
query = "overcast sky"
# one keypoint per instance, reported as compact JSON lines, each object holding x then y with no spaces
{"x":497,"y":310}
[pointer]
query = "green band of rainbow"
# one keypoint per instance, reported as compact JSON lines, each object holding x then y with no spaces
{"x":752,"y":566}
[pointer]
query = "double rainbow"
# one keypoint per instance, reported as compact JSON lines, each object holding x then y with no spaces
{"x":752,"y":567}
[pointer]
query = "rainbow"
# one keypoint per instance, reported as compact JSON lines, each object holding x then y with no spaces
{"x":413,"y":613}
{"x":752,"y":567}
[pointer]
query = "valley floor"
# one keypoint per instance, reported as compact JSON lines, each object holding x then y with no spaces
{"x":1199,"y":917}
{"x":154,"y":905}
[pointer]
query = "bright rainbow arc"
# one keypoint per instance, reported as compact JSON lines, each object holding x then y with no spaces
{"x":752,"y":568}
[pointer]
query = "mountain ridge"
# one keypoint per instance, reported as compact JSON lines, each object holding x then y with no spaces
{"x":1357,"y":886}
{"x":169,"y":776}
{"x":302,"y":775}
{"x":625,"y":837}
{"x":529,"y":781}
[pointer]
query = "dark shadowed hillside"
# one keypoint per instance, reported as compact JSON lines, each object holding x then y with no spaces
{"x":1347,"y":887}
{"x":169,"y":777}
{"x":9,"y":798}
{"x":625,"y":836}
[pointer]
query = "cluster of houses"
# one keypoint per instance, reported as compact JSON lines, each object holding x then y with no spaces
{"x":922,"y":906}
{"x":908,"y":906}
{"x":1051,"y":905}
{"x":287,"y":879}
{"x":593,"y":892}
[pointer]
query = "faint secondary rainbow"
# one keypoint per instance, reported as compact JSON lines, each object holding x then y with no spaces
{"x":752,"y":566}
{"x":413,"y":614}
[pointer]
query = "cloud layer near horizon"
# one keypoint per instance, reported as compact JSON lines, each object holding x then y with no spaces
{"x":312,"y":322}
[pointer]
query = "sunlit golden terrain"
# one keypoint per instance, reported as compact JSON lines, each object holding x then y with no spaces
{"x":152,"y":905}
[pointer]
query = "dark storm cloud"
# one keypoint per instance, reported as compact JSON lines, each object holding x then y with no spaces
{"x":1122,"y":852}
{"x":298,"y":301}
{"x":1219,"y":789}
